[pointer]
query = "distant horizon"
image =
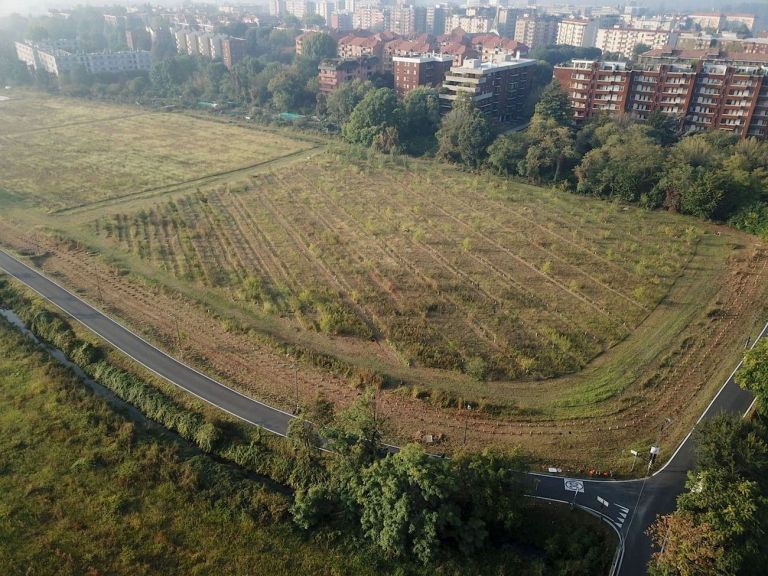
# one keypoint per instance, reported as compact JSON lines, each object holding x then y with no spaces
{"x":37,"y":7}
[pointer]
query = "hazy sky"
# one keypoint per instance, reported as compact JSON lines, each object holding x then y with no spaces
{"x":39,"y":6}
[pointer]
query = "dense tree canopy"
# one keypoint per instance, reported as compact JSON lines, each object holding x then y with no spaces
{"x":317,"y":46}
{"x":554,"y":104}
{"x":753,"y":374}
{"x":376,"y":116}
{"x":464,"y":134}
{"x":722,"y":517}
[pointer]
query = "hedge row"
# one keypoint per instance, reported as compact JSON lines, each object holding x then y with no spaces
{"x":247,"y":447}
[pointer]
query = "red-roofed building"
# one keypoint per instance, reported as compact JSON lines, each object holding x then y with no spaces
{"x":491,"y":46}
{"x":357,"y":46}
{"x":334,"y":72}
{"x":459,"y":53}
{"x":402,"y":47}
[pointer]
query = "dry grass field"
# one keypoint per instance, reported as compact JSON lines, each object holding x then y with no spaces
{"x":573,"y":327}
{"x":65,"y":154}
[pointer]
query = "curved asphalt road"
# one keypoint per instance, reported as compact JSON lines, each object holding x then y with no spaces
{"x":146,"y":354}
{"x":629,"y":507}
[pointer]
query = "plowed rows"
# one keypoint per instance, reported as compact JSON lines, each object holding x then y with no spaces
{"x":440,"y":269}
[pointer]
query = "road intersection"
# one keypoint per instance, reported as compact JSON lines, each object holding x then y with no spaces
{"x":628,"y":506}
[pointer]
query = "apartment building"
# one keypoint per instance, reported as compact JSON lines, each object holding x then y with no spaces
{"x":473,"y":24}
{"x":232,"y":51}
{"x":747,"y":20}
{"x":228,"y":49}
{"x":724,"y":98}
{"x":354,"y":46}
{"x":57,"y":61}
{"x":577,"y":32}
{"x":491,"y":47}
{"x":595,"y":87}
{"x":623,"y":41}
{"x":401,"y":47}
{"x":498,"y":89}
{"x":325,"y":9}
{"x":435,"y":19}
{"x":707,"y":20}
{"x":536,"y":30}
{"x":335,"y":72}
{"x":402,"y":20}
{"x":705,"y":95}
{"x":369,"y":18}
{"x":414,"y":71}
{"x":342,"y":21}
{"x":666,"y":88}
{"x":758,"y":125}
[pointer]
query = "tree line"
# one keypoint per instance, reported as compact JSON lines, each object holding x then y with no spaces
{"x":721,"y":520}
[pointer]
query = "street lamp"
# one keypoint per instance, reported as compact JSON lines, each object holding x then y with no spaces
{"x":466,"y":423}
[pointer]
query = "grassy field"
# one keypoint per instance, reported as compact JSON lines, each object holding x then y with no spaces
{"x":64,"y":154}
{"x":577,"y":326}
{"x":84,"y":489}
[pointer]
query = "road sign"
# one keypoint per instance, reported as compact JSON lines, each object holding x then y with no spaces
{"x":573,"y":485}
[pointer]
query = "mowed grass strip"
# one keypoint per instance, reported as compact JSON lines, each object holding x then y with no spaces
{"x":456,"y":271}
{"x":79,"y":163}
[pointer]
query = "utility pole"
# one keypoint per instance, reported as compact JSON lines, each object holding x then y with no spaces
{"x":296,"y":385}
{"x":178,"y":335}
{"x":98,"y":288}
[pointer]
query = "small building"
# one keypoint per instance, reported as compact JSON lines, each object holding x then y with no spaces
{"x":335,"y":72}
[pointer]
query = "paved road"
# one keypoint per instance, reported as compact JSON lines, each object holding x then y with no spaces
{"x":627,"y":506}
{"x":146,"y":354}
{"x":632,"y":505}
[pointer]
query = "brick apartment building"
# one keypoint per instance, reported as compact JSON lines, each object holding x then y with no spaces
{"x":714,"y":92}
{"x":594,"y":86}
{"x":499,"y":89}
{"x":232,"y":51}
{"x":413,"y":71}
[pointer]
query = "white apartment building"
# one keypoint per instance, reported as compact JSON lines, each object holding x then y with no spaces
{"x":365,"y":18}
{"x":534,"y":30}
{"x":56,"y":61}
{"x":402,"y":20}
{"x":196,"y":43}
{"x":470,"y":24}
{"x":325,"y":9}
{"x":577,"y":32}
{"x":623,"y":41}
